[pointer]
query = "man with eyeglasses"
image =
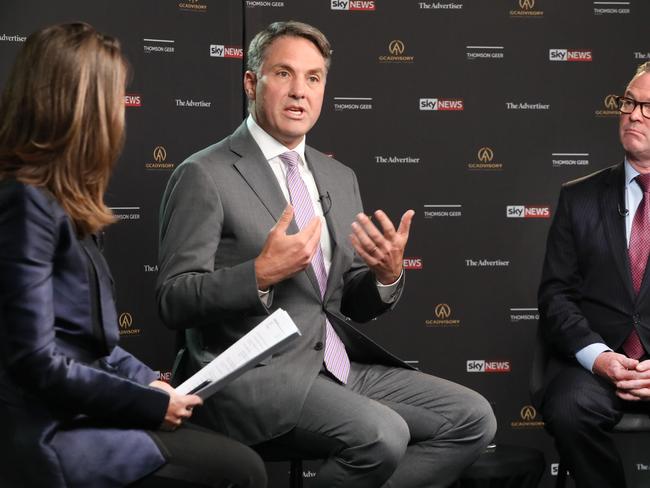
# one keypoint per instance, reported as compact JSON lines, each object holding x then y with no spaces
{"x":594,"y":301}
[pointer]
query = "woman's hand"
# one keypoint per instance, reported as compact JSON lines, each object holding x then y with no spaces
{"x":179,"y":408}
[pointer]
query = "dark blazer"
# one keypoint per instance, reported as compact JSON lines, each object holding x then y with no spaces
{"x":71,"y":400}
{"x":586,"y":292}
{"x":216,"y":212}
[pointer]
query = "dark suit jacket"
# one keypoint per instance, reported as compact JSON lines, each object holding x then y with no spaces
{"x":216,"y":213}
{"x":586,"y":292}
{"x":70,"y":399}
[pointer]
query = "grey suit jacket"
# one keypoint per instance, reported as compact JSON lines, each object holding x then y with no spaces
{"x":216,"y":212}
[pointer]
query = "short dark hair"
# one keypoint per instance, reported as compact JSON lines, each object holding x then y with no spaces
{"x":263,"y":39}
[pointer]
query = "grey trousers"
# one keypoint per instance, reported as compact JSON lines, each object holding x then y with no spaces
{"x":398,"y":428}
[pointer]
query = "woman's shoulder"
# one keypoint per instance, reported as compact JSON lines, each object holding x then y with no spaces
{"x":22,"y":200}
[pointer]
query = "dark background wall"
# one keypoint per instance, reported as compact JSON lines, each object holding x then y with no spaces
{"x":524,"y":123}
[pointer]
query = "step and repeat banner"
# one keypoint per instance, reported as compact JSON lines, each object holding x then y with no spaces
{"x":470,"y":112}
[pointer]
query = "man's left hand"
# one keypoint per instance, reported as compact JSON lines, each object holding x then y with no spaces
{"x":382,"y":251}
{"x":638,"y":388}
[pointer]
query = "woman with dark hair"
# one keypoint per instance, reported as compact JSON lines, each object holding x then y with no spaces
{"x":76,"y":410}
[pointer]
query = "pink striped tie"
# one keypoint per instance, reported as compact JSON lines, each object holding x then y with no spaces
{"x":638,"y":250}
{"x":336,"y":359}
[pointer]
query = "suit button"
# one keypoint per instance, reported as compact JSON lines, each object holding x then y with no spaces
{"x":318,"y":346}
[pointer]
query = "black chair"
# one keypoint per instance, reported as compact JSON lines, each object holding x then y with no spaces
{"x":629,"y":423}
{"x":295,"y":447}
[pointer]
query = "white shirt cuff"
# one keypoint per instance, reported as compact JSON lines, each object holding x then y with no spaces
{"x":588,"y":354}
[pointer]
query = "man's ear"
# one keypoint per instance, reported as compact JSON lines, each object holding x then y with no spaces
{"x":250,"y":84}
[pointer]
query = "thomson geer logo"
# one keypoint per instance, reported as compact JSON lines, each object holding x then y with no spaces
{"x":581,"y":55}
{"x":528,"y":212}
{"x":352,"y":4}
{"x":487,"y":366}
{"x":441,"y":104}
{"x":222,"y":51}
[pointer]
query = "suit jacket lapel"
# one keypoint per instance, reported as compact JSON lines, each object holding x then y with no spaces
{"x":328,"y":184}
{"x":612,"y":200}
{"x":257,"y":173}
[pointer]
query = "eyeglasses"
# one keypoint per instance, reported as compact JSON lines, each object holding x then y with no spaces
{"x":627,"y":105}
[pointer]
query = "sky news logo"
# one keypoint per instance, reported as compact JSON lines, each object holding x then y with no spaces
{"x":528,"y":212}
{"x":582,"y":55}
{"x":221,"y":51}
{"x":133,"y":100}
{"x":359,"y":5}
{"x":487,"y":366}
{"x":413,"y":263}
{"x":439,"y":104}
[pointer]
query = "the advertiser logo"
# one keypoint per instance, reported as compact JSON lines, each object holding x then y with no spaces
{"x":441,"y":104}
{"x":440,"y":6}
{"x":126,"y":213}
{"x":133,"y":100}
{"x":528,"y":212}
{"x":580,"y":55}
{"x":487,"y":366}
{"x":413,"y":263}
{"x":222,"y":51}
{"x":358,"y":5}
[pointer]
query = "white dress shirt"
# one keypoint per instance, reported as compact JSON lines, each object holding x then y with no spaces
{"x":633,"y":196}
{"x":271,"y":148}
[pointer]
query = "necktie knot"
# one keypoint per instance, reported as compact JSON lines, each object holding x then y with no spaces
{"x":290,"y":158}
{"x":644,"y":182}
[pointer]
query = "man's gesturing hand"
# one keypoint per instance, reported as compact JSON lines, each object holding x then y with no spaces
{"x":285,"y":255}
{"x":383,"y":251}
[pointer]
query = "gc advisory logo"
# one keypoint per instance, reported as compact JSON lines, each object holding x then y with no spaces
{"x":441,"y":104}
{"x":443,"y":317}
{"x":609,"y":107}
{"x":396,"y":48}
{"x":487,"y":366}
{"x":528,"y":212}
{"x":485,"y":161}
{"x":160,"y":160}
{"x":125,"y":320}
{"x":361,"y":5}
{"x":582,"y":55}
{"x":526,"y":10}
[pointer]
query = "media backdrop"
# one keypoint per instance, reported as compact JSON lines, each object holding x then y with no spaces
{"x":471,"y":112}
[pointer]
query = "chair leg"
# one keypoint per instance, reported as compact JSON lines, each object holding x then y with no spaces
{"x":295,"y":477}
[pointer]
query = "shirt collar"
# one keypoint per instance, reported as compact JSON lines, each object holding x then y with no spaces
{"x":271,"y":148}
{"x":630,"y":173}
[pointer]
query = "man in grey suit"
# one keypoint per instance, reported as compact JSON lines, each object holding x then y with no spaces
{"x":232,"y":250}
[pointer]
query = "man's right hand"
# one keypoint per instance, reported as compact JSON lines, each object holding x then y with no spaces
{"x":286,"y":255}
{"x":615,"y":367}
